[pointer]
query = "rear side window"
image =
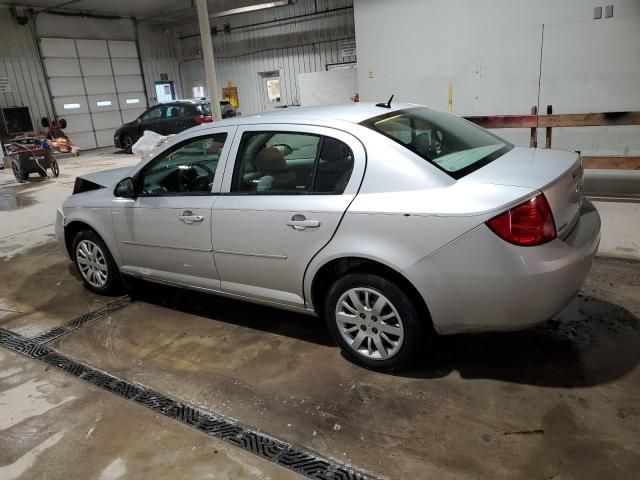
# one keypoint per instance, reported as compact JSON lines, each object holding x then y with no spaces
{"x":452,"y":144}
{"x":289,"y":163}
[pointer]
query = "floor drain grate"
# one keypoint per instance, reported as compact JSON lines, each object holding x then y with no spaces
{"x":82,"y":320}
{"x":308,"y":464}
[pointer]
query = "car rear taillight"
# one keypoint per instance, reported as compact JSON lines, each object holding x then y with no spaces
{"x":200,"y":119}
{"x":528,"y":224}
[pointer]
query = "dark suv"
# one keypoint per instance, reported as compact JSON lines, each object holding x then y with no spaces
{"x":168,"y":118}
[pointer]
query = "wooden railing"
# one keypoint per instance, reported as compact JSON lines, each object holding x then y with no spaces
{"x":533,"y":121}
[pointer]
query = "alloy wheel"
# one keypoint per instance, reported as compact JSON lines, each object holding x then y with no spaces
{"x":92,"y":263}
{"x":369,"y":323}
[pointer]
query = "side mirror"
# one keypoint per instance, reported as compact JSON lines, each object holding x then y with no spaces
{"x":139,"y":120}
{"x":125,"y":189}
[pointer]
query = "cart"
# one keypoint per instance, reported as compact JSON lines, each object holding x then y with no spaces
{"x":30,"y":155}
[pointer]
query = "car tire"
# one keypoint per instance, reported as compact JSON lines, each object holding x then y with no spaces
{"x":381,"y":336}
{"x":95,"y":264}
{"x":127,"y":143}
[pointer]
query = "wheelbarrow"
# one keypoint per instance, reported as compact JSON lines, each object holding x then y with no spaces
{"x":30,"y":155}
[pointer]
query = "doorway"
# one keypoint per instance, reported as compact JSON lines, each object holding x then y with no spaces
{"x":271,"y":92}
{"x":165,"y":92}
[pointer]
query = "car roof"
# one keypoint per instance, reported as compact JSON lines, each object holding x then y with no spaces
{"x":346,"y":112}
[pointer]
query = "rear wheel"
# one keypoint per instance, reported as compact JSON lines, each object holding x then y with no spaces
{"x":95,"y":264}
{"x":375,"y":323}
{"x":18,"y":172}
{"x":127,"y":143}
{"x":55,"y":168}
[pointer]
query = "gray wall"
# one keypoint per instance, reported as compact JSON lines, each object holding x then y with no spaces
{"x":292,"y":46}
{"x":491,"y":52}
{"x":158,"y":54}
{"x":20,"y":61}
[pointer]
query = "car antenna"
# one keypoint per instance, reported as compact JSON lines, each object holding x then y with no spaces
{"x":385,"y":105}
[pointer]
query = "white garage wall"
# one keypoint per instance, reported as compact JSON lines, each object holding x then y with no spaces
{"x":291,"y":46}
{"x":491,"y":52}
{"x":159,"y":54}
{"x":20,"y":62}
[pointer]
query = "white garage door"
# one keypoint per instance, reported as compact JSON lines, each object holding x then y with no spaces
{"x":96,"y":86}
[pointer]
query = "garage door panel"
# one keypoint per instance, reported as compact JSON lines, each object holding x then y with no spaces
{"x":92,"y":48}
{"x":65,"y":86}
{"x":126,"y":66}
{"x":122,"y":49}
{"x":131,"y":83}
{"x":62,"y":67}
{"x":77,"y":123}
{"x":70,"y":105}
{"x":131,"y":114}
{"x":104,"y":138}
{"x":96,"y":85}
{"x":105,"y":102}
{"x":95,"y":67}
{"x":58,"y":47}
{"x":84,"y":141}
{"x":106,"y":120}
{"x":132,"y":101}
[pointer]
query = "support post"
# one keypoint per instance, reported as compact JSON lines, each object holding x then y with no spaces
{"x":547,"y":143}
{"x":533,"y":140}
{"x":207,"y":54}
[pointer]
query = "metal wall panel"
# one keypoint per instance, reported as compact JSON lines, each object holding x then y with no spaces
{"x":291,"y":40}
{"x":20,"y":63}
{"x":159,"y":55}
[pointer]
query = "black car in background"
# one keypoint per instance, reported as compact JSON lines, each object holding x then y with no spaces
{"x":169,"y":118}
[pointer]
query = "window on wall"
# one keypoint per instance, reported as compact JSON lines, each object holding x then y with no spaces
{"x":198,"y":91}
{"x":286,"y":163}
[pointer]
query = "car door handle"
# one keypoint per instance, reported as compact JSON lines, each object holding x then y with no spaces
{"x":299,"y":222}
{"x":188,"y":217}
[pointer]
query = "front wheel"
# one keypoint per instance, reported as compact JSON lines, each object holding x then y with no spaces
{"x":55,"y":168}
{"x":127,"y":143}
{"x":95,"y":264}
{"x":375,"y":323}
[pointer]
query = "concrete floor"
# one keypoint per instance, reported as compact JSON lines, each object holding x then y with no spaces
{"x":556,"y":402}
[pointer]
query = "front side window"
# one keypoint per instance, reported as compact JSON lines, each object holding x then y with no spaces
{"x":452,"y":144}
{"x":153,"y":114}
{"x":188,"y":168}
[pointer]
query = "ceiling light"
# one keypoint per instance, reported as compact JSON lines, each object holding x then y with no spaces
{"x":252,"y":8}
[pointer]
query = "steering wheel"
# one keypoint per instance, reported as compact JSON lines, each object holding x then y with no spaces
{"x":187,"y":176}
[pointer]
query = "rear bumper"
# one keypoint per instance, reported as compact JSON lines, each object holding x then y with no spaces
{"x":481,"y":283}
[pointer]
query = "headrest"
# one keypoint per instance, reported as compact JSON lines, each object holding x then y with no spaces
{"x":270,"y":160}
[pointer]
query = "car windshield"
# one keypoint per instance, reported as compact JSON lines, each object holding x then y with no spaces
{"x":452,"y":144}
{"x":205,"y":108}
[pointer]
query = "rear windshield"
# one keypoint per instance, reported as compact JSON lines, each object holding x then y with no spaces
{"x":455,"y":146}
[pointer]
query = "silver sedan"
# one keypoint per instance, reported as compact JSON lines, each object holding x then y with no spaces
{"x":393,"y":222}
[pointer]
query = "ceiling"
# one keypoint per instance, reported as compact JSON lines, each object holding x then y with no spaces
{"x":167,"y":9}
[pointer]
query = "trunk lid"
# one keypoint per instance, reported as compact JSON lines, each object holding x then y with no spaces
{"x":558,"y":174}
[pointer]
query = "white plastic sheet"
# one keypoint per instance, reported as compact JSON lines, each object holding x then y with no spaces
{"x":147,"y":142}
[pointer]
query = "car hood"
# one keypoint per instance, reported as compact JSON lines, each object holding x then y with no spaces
{"x":107,"y":178}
